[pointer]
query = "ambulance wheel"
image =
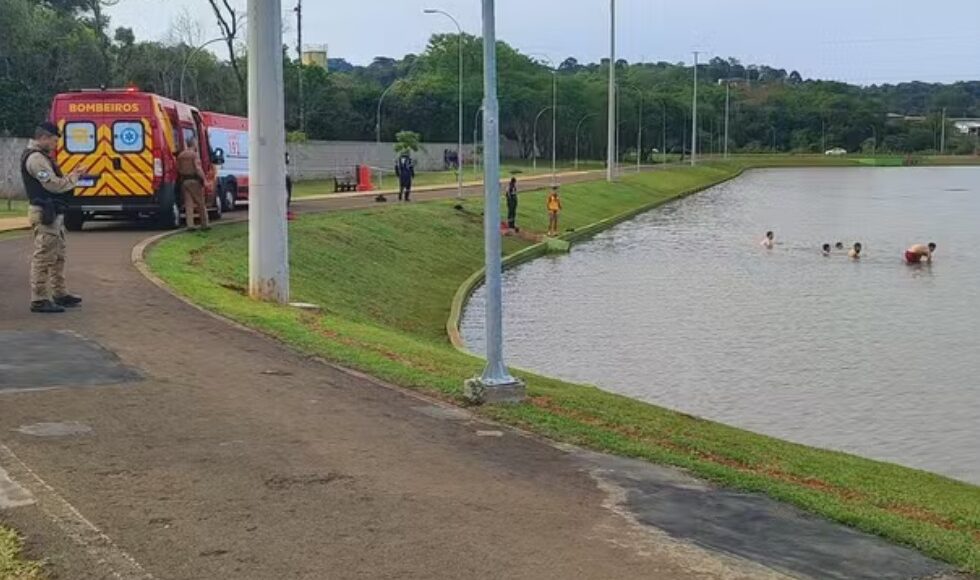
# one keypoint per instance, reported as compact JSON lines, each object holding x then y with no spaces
{"x":74,"y":221}
{"x":218,"y":210}
{"x":169,"y":216}
{"x":227,"y":196}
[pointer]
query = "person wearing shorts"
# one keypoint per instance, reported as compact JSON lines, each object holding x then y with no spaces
{"x":919,"y":252}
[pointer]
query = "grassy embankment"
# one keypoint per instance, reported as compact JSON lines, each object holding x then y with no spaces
{"x":13,"y":566}
{"x":386,"y":277}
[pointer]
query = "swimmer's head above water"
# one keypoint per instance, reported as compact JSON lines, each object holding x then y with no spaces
{"x":826,"y":248}
{"x":839,"y":245}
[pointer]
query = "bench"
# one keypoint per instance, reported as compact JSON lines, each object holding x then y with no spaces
{"x":344,"y":183}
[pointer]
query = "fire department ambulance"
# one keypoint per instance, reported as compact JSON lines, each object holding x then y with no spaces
{"x":127,"y":142}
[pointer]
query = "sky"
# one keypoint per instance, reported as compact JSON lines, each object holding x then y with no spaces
{"x":857,"y":41}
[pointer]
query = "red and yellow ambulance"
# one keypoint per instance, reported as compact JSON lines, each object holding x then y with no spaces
{"x":127,"y":142}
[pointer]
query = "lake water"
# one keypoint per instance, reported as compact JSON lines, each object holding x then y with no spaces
{"x":683,"y":308}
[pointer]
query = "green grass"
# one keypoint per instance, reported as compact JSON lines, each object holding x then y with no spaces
{"x":385,"y":278}
{"x":428,"y":178}
{"x":13,"y":566}
{"x":13,"y":208}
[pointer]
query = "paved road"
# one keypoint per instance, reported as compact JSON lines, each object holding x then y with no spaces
{"x":175,"y":446}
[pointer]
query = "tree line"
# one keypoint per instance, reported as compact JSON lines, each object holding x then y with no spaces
{"x":48,"y":46}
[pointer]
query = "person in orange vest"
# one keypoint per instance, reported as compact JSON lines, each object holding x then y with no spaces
{"x":554,"y":207}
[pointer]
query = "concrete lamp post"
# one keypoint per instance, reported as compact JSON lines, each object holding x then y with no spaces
{"x":268,"y":247}
{"x":495,"y":385}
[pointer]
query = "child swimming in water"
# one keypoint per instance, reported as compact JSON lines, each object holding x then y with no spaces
{"x":769,"y":241}
{"x":826,"y":249}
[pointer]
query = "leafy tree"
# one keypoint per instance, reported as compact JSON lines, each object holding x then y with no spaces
{"x":407,"y":142}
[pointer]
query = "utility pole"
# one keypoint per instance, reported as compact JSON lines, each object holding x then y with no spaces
{"x":728,"y":101}
{"x":611,"y":133}
{"x":694,"y":114}
{"x":299,"y":53}
{"x":663,"y":132}
{"x":268,"y":248}
{"x":639,"y":136}
{"x":496,"y":385}
{"x":554,"y":126}
{"x":942,"y":138}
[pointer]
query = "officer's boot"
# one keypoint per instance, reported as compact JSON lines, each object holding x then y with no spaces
{"x":45,"y":307}
{"x":67,"y":300}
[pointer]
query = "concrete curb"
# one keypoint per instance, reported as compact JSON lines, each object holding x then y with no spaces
{"x":467,"y":288}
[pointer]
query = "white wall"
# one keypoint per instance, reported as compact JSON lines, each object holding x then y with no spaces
{"x":310,"y":160}
{"x":10,"y":181}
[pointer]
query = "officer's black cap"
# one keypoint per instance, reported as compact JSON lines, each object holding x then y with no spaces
{"x":49,"y":128}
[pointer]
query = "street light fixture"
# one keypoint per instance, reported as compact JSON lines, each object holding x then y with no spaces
{"x":694,"y":114}
{"x":534,"y":140}
{"x":187,"y":59}
{"x":459,"y":150}
{"x":476,"y":140}
{"x":611,"y":128}
{"x":728,"y":91}
{"x":639,"y":130}
{"x":577,"y":127}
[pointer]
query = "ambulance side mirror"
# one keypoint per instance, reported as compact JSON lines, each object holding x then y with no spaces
{"x":218,"y":156}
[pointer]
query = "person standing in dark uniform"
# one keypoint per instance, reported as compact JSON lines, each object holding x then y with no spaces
{"x":46,"y":187}
{"x":405,"y":170}
{"x":512,"y":204}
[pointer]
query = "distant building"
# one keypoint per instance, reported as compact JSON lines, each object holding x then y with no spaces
{"x":315,"y":55}
{"x":966,"y":126}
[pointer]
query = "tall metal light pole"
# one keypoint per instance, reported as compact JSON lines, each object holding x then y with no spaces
{"x":611,"y":133}
{"x":534,"y":140}
{"x":554,"y":126}
{"x":728,"y":103}
{"x":694,"y":114}
{"x":639,"y":131}
{"x":459,"y":150}
{"x":268,"y":248}
{"x":942,"y":138}
{"x":299,"y":54}
{"x":577,"y":127}
{"x":496,"y":385}
{"x":377,"y":131}
{"x":663,"y":132}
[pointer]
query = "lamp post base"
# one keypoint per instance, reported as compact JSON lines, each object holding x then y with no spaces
{"x":477,"y":392}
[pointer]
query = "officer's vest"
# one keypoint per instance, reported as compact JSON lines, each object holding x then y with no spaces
{"x":36,"y":193}
{"x":405,"y":169}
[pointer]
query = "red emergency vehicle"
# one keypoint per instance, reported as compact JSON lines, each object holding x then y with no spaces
{"x":228,"y":135}
{"x":127,"y":140}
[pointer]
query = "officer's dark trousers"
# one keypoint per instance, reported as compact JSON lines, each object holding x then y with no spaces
{"x":404,"y":189}
{"x":512,"y":214}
